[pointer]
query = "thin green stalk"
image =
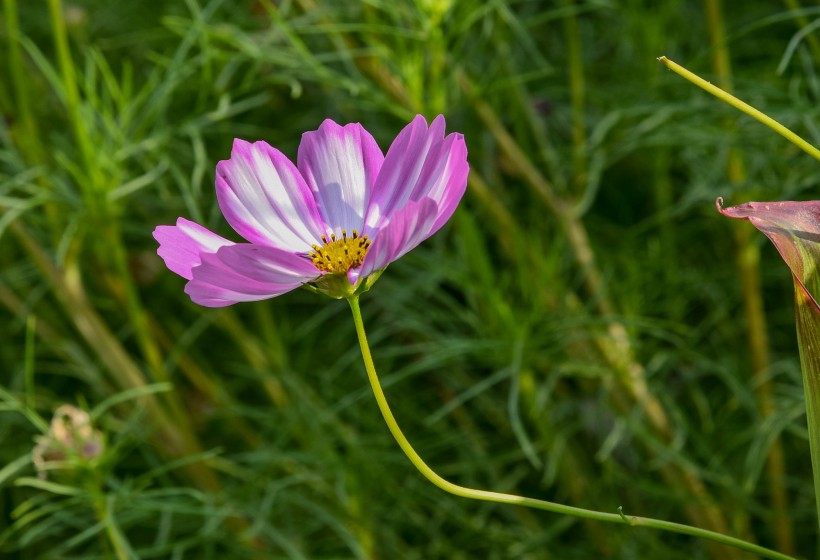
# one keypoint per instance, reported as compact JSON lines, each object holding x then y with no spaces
{"x":575,"y":67}
{"x":31,"y":329}
{"x":497,"y":497}
{"x":748,"y":263}
{"x":111,"y":242}
{"x":742,"y":106}
{"x":73,"y":104}
{"x":103,"y":515}
{"x":117,"y":253}
{"x":112,"y":238}
{"x":19,"y":80}
{"x":28,"y":139}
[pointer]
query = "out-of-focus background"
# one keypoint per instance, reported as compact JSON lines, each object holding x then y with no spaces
{"x":587,"y":329}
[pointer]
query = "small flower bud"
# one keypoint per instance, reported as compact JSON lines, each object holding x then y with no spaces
{"x":71,"y":439}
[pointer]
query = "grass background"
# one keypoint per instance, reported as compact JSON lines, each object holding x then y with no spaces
{"x":587,"y":329}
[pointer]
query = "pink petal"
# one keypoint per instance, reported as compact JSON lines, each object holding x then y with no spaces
{"x":340,"y":165}
{"x":182,"y":245}
{"x":444,"y":178}
{"x":403,"y":165}
{"x":406,"y":229}
{"x":247,"y":272}
{"x":794,"y":228}
{"x":266,"y":200}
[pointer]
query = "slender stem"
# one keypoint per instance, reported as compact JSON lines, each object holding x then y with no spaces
{"x":512,"y":499}
{"x":28,"y":367}
{"x":20,"y":81}
{"x":98,"y":499}
{"x":742,"y":106}
{"x":74,"y":104}
{"x":748,"y":263}
{"x":575,"y":67}
{"x":28,"y":139}
{"x":111,"y":242}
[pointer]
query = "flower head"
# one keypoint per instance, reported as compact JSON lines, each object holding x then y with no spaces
{"x":333,"y":221}
{"x":71,"y":440}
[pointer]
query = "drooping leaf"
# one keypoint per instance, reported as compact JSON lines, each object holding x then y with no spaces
{"x":794,"y":228}
{"x":808,"y":339}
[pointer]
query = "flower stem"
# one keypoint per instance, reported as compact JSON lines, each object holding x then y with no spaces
{"x":103,"y":514}
{"x":512,"y":499}
{"x":742,"y":106}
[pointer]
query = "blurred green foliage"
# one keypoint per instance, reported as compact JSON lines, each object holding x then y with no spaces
{"x":586,"y":330}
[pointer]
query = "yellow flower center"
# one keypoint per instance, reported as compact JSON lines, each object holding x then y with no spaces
{"x":338,"y":255}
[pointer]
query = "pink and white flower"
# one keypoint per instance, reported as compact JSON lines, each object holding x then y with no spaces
{"x":337,"y":218}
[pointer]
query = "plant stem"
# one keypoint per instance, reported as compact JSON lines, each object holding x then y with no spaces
{"x":20,"y":83}
{"x":28,"y":139}
{"x":497,"y":497}
{"x":748,"y":263}
{"x":575,"y":66}
{"x":105,"y":218}
{"x":103,"y":515}
{"x":73,"y":103}
{"x":742,"y":106}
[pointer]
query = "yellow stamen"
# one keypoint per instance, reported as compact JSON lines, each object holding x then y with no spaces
{"x":338,"y":255}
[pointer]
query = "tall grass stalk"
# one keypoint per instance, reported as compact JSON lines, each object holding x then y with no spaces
{"x":748,"y":263}
{"x":575,"y":69}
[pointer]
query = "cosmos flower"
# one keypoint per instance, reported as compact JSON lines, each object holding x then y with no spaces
{"x":332,"y":222}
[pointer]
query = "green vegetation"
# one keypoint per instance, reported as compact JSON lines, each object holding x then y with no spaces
{"x":586,"y":330}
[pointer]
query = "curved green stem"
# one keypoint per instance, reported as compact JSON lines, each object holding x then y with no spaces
{"x":501,"y":498}
{"x":741,"y":105}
